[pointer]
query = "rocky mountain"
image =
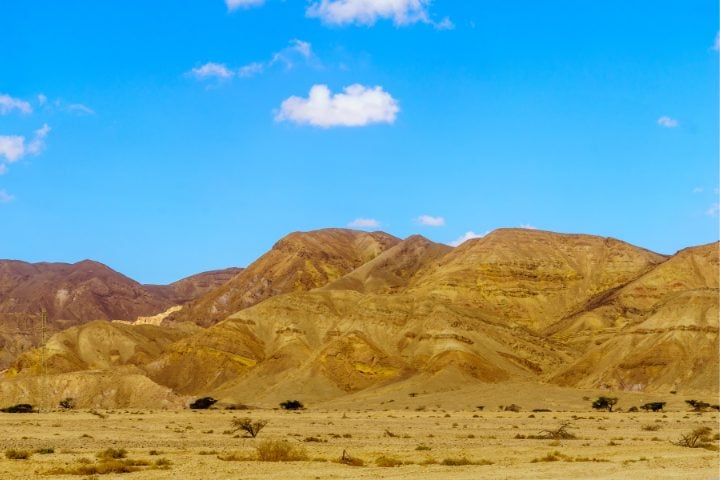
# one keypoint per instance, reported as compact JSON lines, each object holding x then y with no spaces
{"x":299,"y":262}
{"x":333,"y":313}
{"x":73,"y":294}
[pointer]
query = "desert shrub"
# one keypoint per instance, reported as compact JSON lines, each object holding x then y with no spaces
{"x":551,"y":457}
{"x":560,"y":433}
{"x":541,"y":410}
{"x":236,"y":457}
{"x":13,"y":454}
{"x":237,"y":406}
{"x":698,"y":406}
{"x":292,"y":405}
{"x":605,"y":403}
{"x":112,"y":453}
{"x":422,"y":447}
{"x":163,"y":463}
{"x":633,"y":409}
{"x":103,"y":467}
{"x":698,"y":438}
{"x":385,"y":461}
{"x":249,"y":426}
{"x":458,"y":462}
{"x":653,"y":406}
{"x":314,"y":439}
{"x":280,"y":451}
{"x":18,"y":408}
{"x":512,"y":408}
{"x":45,"y":451}
{"x":390,"y":434}
{"x":67,"y":403}
{"x":651,"y":428}
{"x":203,"y":403}
{"x":347,"y":459}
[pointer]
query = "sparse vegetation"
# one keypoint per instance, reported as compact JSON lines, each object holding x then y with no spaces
{"x":698,"y":438}
{"x":280,"y":451}
{"x":653,"y":406}
{"x":112,"y":453}
{"x":347,"y":459}
{"x":18,"y":408}
{"x":292,"y":405}
{"x":560,"y":433}
{"x":67,"y":403}
{"x":388,"y":461}
{"x":248,"y":425}
{"x":13,"y":454}
{"x":203,"y":403}
{"x":605,"y":403}
{"x":45,"y":451}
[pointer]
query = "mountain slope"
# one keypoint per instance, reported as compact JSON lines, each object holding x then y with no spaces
{"x":660,"y":330}
{"x":73,"y":294}
{"x":300,"y":261}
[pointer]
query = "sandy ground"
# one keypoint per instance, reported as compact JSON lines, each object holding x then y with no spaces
{"x":609,"y":445}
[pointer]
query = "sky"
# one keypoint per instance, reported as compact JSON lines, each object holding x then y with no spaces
{"x":166,"y":138}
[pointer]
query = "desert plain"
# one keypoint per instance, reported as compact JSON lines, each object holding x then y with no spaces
{"x":397,"y":436}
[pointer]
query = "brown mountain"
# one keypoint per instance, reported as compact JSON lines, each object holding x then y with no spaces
{"x":74,"y":294}
{"x":330,"y":313}
{"x":660,"y":330}
{"x":300,"y":261}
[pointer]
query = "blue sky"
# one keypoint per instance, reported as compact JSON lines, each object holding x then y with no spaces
{"x":165,"y":138}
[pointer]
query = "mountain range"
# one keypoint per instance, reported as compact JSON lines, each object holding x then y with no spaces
{"x":329,"y":313}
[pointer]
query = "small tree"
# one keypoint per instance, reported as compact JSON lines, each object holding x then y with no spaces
{"x":292,"y":405}
{"x":203,"y":403}
{"x":605,"y":403}
{"x":19,"y":408}
{"x":697,"y":405}
{"x":654,"y":406}
{"x":248,"y":425}
{"x":698,"y":438}
{"x":67,"y":403}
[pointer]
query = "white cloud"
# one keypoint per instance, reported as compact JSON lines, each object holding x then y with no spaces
{"x":41,"y":99}
{"x":3,"y":169}
{"x":13,"y":147}
{"x":235,"y":4}
{"x":467,"y":236}
{"x":8,"y":104}
{"x":357,"y":106}
{"x":430,"y":221}
{"x":37,"y":144}
{"x":713,"y":210}
{"x":251,"y":69}
{"x":6,"y":197}
{"x":667,"y":122}
{"x":364,"y":223}
{"x":367,"y":12}
{"x":212,"y":70}
{"x":528,"y":226}
{"x":698,"y":190}
{"x":716,"y":45}
{"x":297,"y":51}
{"x":80,"y":109}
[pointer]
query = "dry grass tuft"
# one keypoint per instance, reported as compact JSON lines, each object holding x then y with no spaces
{"x":346,"y":459}
{"x":386,"y":461}
{"x":13,"y":454}
{"x":280,"y":451}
